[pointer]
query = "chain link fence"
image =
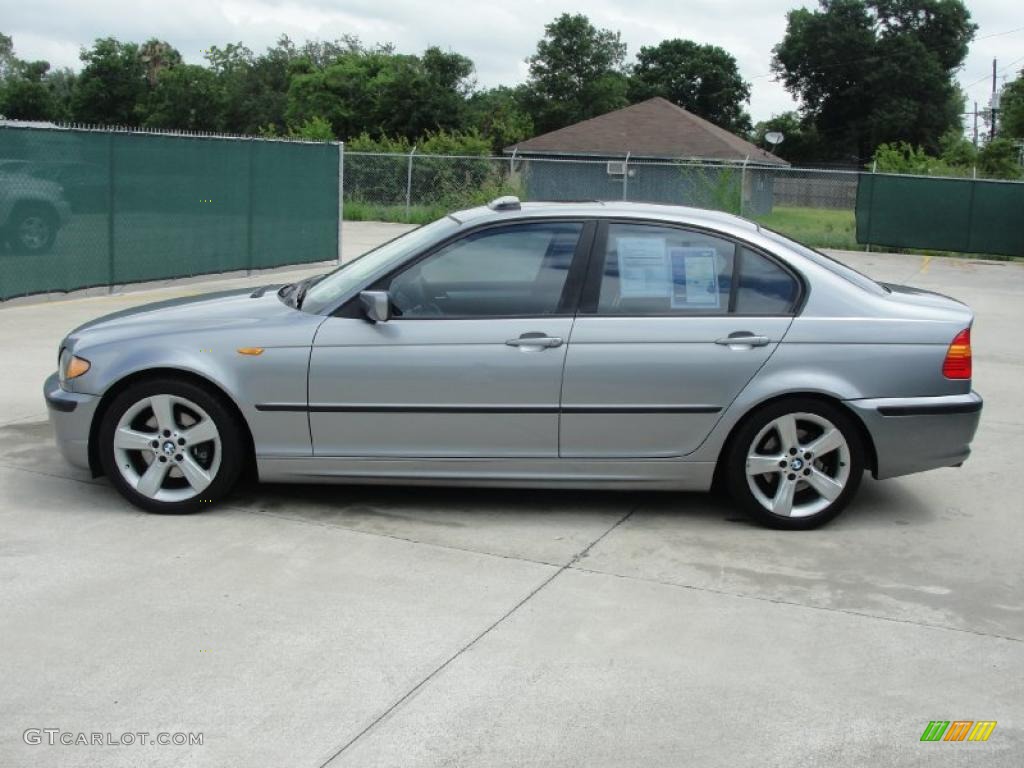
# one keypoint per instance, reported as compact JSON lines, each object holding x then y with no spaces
{"x":824,"y":208}
{"x":816,"y":205}
{"x":82,"y":208}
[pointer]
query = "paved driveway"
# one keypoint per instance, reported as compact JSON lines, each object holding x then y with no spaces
{"x":304,"y":626}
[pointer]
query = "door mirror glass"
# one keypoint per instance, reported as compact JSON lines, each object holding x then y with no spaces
{"x":376,"y":305}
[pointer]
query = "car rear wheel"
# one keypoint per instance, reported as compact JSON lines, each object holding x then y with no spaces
{"x":170,"y":446}
{"x":795,"y":464}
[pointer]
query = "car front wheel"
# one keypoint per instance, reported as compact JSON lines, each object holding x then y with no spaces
{"x":795,"y":464}
{"x":170,"y":446}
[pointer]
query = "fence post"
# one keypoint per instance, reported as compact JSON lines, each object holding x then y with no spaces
{"x":743,"y":181}
{"x":249,"y":213}
{"x":341,"y":193}
{"x":625,"y":177}
{"x":408,"y":184}
{"x":867,"y":229}
{"x":110,"y":213}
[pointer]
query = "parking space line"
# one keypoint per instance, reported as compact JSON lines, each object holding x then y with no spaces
{"x":408,"y":694}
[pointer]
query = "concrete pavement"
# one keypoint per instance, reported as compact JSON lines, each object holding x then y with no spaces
{"x":348,"y":626}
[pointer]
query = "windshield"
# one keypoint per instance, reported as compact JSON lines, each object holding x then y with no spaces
{"x":832,"y":265}
{"x":358,"y":272}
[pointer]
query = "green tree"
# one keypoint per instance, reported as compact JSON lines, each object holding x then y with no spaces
{"x":499,"y":115}
{"x":800,"y":140}
{"x":25,"y":94}
{"x":703,"y":79}
{"x":156,"y":56}
{"x":111,"y":85}
{"x":185,"y":97}
{"x":1011,"y":106}
{"x":382,"y":93}
{"x":30,"y":90}
{"x":314,"y":129}
{"x":8,"y":61}
{"x":1000,"y":159}
{"x":578,"y":72}
{"x":869,"y":72}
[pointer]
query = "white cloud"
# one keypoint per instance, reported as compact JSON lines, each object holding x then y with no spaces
{"x":498,"y":37}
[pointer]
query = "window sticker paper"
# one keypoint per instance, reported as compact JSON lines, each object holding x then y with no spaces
{"x":643,"y":267}
{"x":694,"y":278}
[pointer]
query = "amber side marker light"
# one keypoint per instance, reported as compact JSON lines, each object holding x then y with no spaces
{"x":250,"y":350}
{"x":76,"y":367}
{"x":957,"y":364}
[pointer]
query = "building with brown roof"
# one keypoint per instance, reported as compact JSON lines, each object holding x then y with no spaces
{"x":653,"y":129}
{"x":653,"y":151}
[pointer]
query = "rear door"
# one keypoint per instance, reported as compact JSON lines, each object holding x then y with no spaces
{"x":674,"y":323}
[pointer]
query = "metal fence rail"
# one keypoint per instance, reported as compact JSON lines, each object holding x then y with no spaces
{"x":81,"y":208}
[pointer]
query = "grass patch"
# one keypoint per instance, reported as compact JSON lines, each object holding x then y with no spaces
{"x":817,"y":227}
{"x":418,"y":214}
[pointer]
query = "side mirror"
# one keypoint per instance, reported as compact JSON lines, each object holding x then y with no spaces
{"x":376,"y":305}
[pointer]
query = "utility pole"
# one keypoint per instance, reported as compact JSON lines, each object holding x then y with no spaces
{"x":992,"y":132}
{"x":975,"y":125}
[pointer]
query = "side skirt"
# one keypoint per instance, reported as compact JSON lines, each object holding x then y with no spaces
{"x":651,"y":474}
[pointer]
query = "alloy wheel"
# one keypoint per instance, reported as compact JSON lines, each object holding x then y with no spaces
{"x":798,"y":464}
{"x":167,"y":448}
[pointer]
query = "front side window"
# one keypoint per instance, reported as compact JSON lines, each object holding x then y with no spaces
{"x":355,"y":273}
{"x":516,"y":270}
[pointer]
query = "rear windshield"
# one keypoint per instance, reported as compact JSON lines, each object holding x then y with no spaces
{"x":832,"y":265}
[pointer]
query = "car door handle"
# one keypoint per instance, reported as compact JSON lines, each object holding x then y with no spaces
{"x":743,"y":339}
{"x":535,"y":340}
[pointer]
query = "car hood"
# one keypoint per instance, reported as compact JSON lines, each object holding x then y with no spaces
{"x":242,"y":308}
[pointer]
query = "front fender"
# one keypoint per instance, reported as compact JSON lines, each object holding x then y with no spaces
{"x":278,"y":374}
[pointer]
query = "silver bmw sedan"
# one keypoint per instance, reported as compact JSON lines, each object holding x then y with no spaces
{"x":563,"y":345}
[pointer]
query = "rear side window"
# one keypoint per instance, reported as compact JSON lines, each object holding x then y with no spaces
{"x":652,"y":270}
{"x":763,"y":287}
{"x":649,"y":269}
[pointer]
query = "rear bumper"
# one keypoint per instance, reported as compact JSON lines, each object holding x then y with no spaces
{"x":914,"y":434}
{"x":71,"y":417}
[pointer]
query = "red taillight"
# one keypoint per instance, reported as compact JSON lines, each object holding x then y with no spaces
{"x":957,"y":364}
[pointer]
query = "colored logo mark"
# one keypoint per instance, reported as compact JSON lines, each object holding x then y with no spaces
{"x":958,"y":730}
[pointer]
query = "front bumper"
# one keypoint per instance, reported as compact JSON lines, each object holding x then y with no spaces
{"x":914,"y":434}
{"x":71,"y":416}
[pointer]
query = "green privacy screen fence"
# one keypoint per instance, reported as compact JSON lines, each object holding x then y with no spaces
{"x":81,"y":208}
{"x":964,"y":215}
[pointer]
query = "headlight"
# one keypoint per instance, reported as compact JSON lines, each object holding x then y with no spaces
{"x":71,"y":366}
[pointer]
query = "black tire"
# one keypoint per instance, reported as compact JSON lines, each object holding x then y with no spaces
{"x":43,"y":222}
{"x":751,"y":428}
{"x":232,"y":445}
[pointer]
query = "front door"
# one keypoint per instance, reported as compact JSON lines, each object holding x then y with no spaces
{"x":470,"y":365}
{"x":674,"y":323}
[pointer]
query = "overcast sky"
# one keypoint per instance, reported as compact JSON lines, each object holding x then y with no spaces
{"x":498,"y":36}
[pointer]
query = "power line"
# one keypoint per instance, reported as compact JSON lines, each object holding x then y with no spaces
{"x":1001,"y":70}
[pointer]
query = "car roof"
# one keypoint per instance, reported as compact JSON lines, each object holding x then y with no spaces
{"x":609,"y":209}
